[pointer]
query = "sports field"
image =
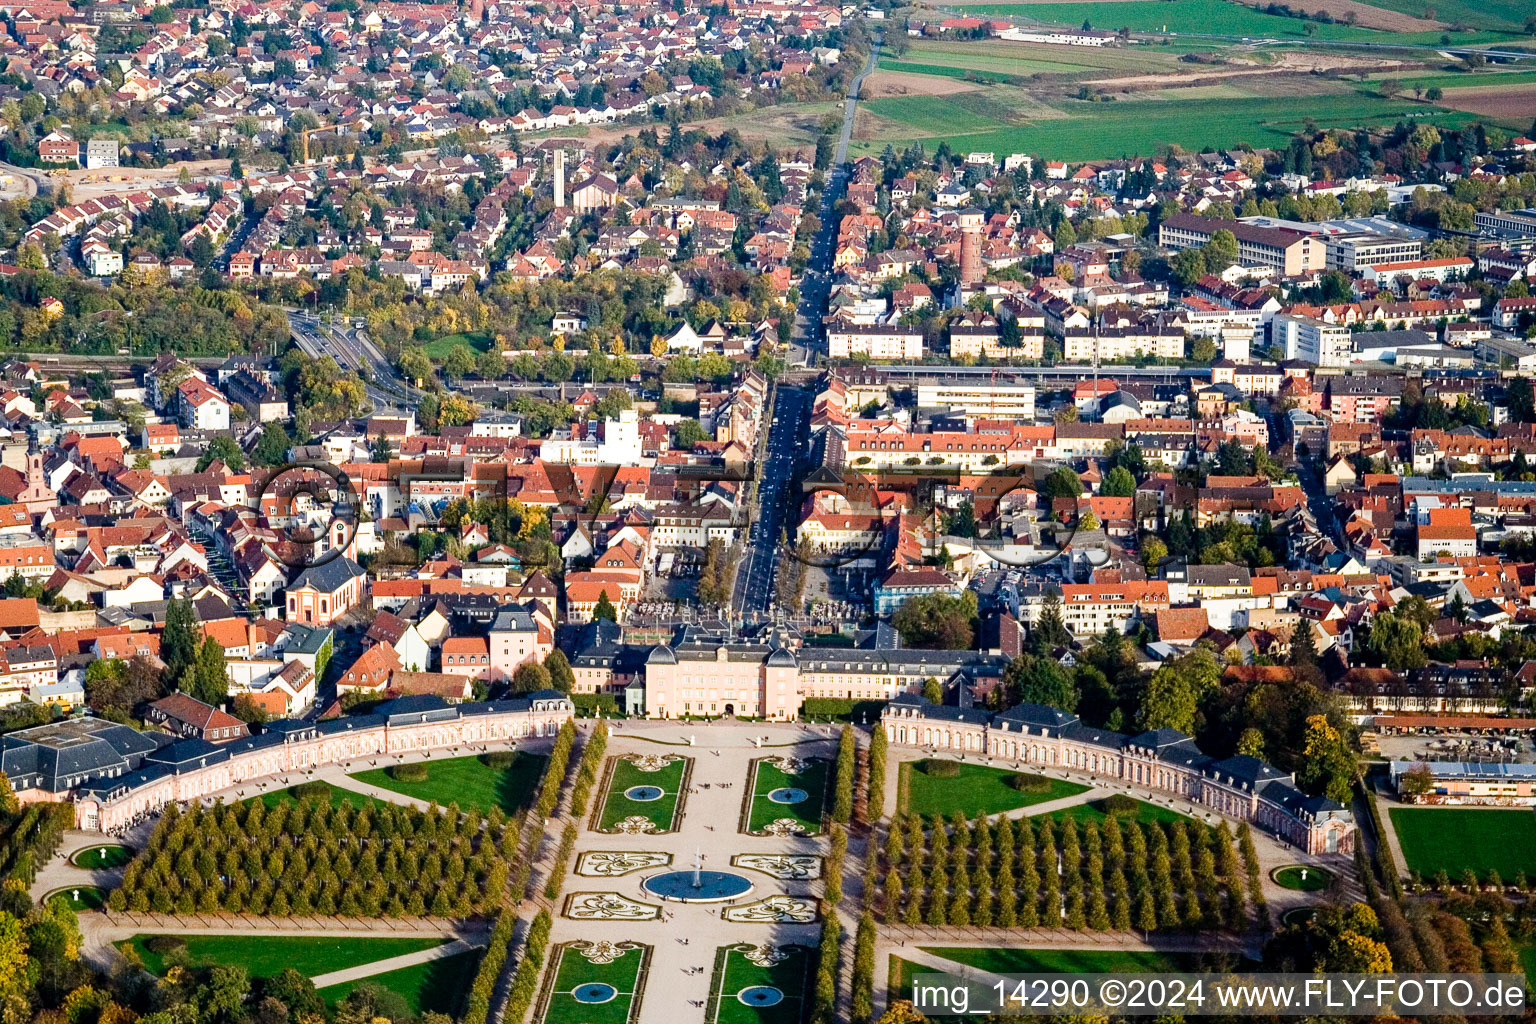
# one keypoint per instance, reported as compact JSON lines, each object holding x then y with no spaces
{"x":1453,"y":839}
{"x":1082,"y":130}
{"x":468,"y":782}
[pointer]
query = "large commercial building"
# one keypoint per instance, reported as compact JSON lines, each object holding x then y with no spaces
{"x":978,"y":396}
{"x":1354,"y":252}
{"x":878,"y":341}
{"x":1506,"y":223}
{"x":1312,"y":340}
{"x":1281,"y":249}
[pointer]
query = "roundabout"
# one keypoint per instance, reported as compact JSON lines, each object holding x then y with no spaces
{"x":697,"y":886}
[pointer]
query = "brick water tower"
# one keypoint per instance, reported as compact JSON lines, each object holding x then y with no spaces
{"x":971,"y":269}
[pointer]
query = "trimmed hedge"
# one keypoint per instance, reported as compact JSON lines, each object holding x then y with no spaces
{"x":842,"y":786}
{"x":477,"y":1005}
{"x":842,"y":709}
{"x":556,"y":879}
{"x":414,"y":772}
{"x":587,"y":770}
{"x":935,"y":768}
{"x":878,"y":744}
{"x":525,"y":982}
{"x":1117,"y":803}
{"x":311,"y":791}
{"x":1024,"y":782}
{"x":499,"y":758}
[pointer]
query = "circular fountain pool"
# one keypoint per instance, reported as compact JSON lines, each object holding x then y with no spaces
{"x":711,"y":887}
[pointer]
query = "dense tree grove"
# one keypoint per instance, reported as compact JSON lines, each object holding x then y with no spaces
{"x":1116,"y":874}
{"x":308,"y":857}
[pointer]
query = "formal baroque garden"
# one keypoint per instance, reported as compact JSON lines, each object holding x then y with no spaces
{"x":643,"y":794}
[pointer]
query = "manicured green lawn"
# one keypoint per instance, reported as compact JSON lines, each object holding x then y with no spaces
{"x":617,"y":806}
{"x":1094,"y":811}
{"x":273,"y":797}
{"x":1456,"y":838}
{"x":113,"y":856}
{"x":735,"y":973}
{"x":467,"y":781}
{"x":266,"y":955}
{"x":572,"y":970}
{"x":976,"y":790}
{"x":91,"y":898}
{"x":478,"y":341}
{"x":437,"y":986}
{"x":1316,"y":878}
{"x":808,"y":813}
{"x":1091,"y":131}
{"x":1069,"y":961}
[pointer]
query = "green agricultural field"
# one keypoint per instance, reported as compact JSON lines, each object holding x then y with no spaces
{"x":468,"y":781}
{"x":1453,"y":839}
{"x":478,"y":341}
{"x":1012,"y":58}
{"x":735,"y":977}
{"x":969,"y":74}
{"x":264,"y":956}
{"x":1089,"y":131}
{"x":625,"y":776}
{"x":1094,"y":811}
{"x":437,"y":986}
{"x":1216,"y":17}
{"x":1453,"y":80}
{"x":767,"y":778}
{"x":1497,"y":15}
{"x":587,"y":993}
{"x":976,"y":790}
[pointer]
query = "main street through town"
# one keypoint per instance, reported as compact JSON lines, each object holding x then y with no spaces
{"x":790,"y":429}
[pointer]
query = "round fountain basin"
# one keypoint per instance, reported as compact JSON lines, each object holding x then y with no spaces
{"x":713,"y":887}
{"x":788,"y":795}
{"x":644,"y":794}
{"x":594,"y":992}
{"x":760,"y":995}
